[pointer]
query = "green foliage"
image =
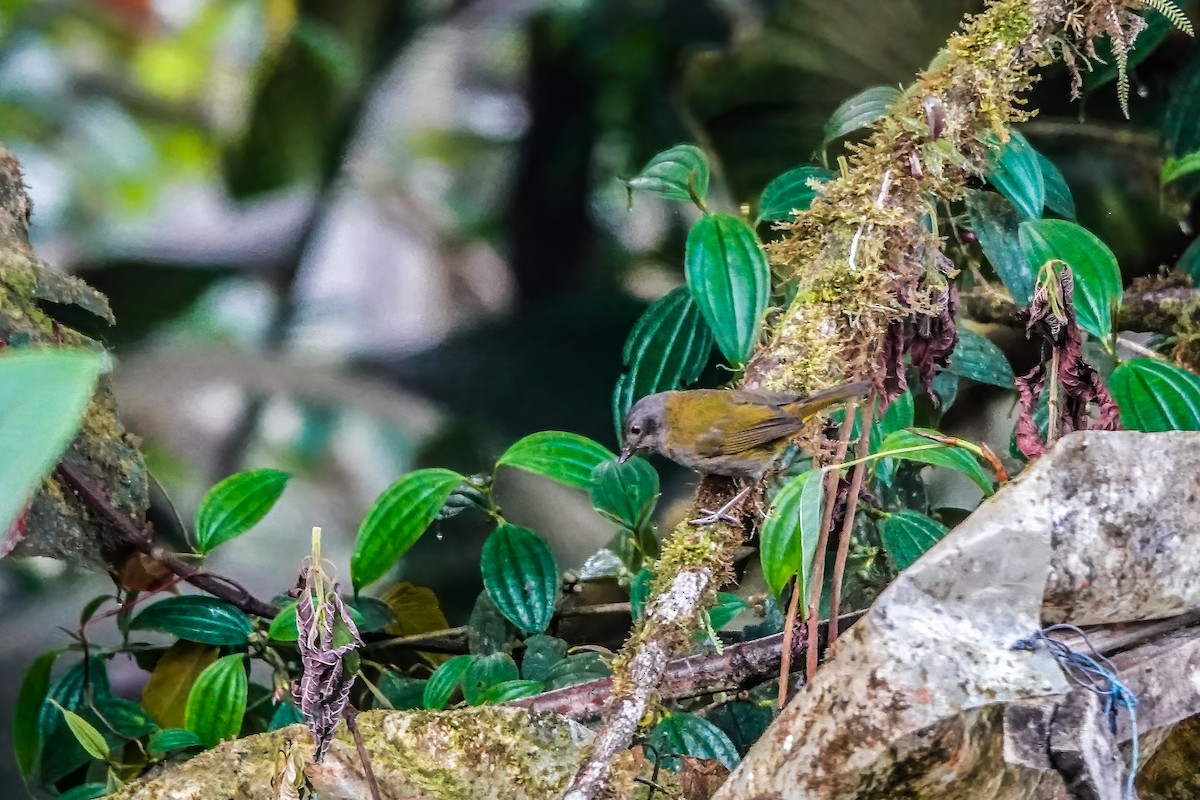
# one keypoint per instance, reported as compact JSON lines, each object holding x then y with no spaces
{"x":977,"y":358}
{"x":542,"y":653}
{"x":907,"y":534}
{"x":860,"y":111}
{"x":728,"y":276}
{"x":576,"y":668}
{"x":445,"y":680}
{"x":237,"y":504}
{"x":485,"y":673}
{"x":625,"y":493}
{"x":521,"y":576}
{"x":196,"y":618}
{"x":43,"y":394}
{"x":678,"y":173}
{"x":1097,"y":276}
{"x":1058,"y":194}
{"x":90,"y":739}
{"x":790,"y":193}
{"x":915,"y":445}
{"x":170,"y":740}
{"x":1156,"y":395}
{"x":683,"y":734}
{"x":217,"y":702}
{"x":27,"y":739}
{"x":564,"y":457}
{"x":997,"y":224}
{"x":789,"y":533}
{"x":1018,"y":176}
{"x":510,"y":690}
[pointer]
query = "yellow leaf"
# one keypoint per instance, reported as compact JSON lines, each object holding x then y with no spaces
{"x":417,"y":611}
{"x":166,"y":694}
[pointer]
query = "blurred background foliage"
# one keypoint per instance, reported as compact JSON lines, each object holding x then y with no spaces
{"x":349,"y":239}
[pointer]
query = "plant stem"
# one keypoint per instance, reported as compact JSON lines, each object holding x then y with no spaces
{"x":856,"y":481}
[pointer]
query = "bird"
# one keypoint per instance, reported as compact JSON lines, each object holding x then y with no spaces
{"x":739,"y":433}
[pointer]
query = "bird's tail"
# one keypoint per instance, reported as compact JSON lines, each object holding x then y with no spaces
{"x":807,"y":407}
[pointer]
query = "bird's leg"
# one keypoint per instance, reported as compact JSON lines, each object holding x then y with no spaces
{"x":722,"y":514}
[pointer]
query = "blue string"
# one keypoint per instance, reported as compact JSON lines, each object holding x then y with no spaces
{"x":1095,"y":673}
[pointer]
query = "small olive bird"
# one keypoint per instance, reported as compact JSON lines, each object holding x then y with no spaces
{"x":734,"y":432}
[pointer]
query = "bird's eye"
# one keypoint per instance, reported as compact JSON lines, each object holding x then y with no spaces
{"x":636,"y":430}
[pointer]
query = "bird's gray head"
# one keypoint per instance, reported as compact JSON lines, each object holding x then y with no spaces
{"x":645,"y":426}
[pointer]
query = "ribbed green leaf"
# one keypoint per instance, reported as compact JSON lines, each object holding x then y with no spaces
{"x":667,"y":349}
{"x":1058,"y":193}
{"x":85,"y":791}
{"x":397,"y":519}
{"x":169,"y":740}
{"x":197,"y":618}
{"x":237,"y":504}
{"x":61,"y":754}
{"x":565,"y":457}
{"x":677,"y":173}
{"x":625,"y":493}
{"x":1156,"y":395}
{"x":860,"y":111}
{"x":997,"y":224}
{"x":789,"y":534}
{"x":790,"y":193}
{"x":510,"y":690}
{"x":217,"y":701}
{"x":444,"y":680}
{"x":576,"y":668}
{"x":907,"y":534}
{"x":910,"y":445}
{"x":43,"y":394}
{"x":485,"y":672}
{"x":682,"y":734}
{"x":977,"y":358}
{"x":728,"y":276}
{"x":1018,"y":176}
{"x":402,"y":692}
{"x":521,"y":576}
{"x":27,"y":739}
{"x":1097,"y":276}
{"x":541,"y":653}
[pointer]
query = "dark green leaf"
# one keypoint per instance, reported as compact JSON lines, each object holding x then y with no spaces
{"x":1058,"y":193}
{"x":639,"y":591}
{"x":90,"y":739}
{"x":43,"y":394}
{"x":728,"y":276}
{"x":444,"y":680}
{"x":373,"y":614}
{"x":565,"y":457}
{"x":576,"y":668}
{"x":625,"y":493}
{"x":945,"y":388}
{"x":61,"y":754}
{"x":789,"y":533}
{"x":682,"y":734}
{"x":1175,"y":168}
{"x":910,"y":445}
{"x":283,"y":627}
{"x":197,"y":618}
{"x":217,"y":701}
{"x":285,"y":714}
{"x":860,"y":111}
{"x":1181,"y":123}
{"x":724,"y":609}
{"x":85,"y":791}
{"x":521,"y":576}
{"x":27,"y":739}
{"x":487,"y":629}
{"x":677,"y":173}
{"x":898,"y":415}
{"x":541,"y":653}
{"x":397,"y":520}
{"x":237,"y":504}
{"x":1156,"y":395}
{"x":1189,"y":262}
{"x":667,"y":349}
{"x":997,"y":224}
{"x":1097,"y":276}
{"x":484,"y":672}
{"x":122,"y":719}
{"x":1018,"y":176}
{"x":743,"y":722}
{"x":907,"y":534}
{"x":403,"y":692}
{"x":789,"y":193}
{"x":169,"y":740}
{"x":977,"y":358}
{"x":510,"y":690}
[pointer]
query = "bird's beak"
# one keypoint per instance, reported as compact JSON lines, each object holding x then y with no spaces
{"x":626,"y":454}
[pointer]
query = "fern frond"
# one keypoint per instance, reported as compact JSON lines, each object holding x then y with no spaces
{"x":1173,"y":13}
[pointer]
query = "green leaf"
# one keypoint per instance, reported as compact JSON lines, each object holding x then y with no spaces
{"x":1156,"y":395}
{"x":197,"y":618}
{"x":373,"y":613}
{"x":85,"y":791}
{"x":488,"y":631}
{"x":724,"y":609}
{"x":625,"y":493}
{"x":683,"y":734}
{"x":485,"y":672}
{"x":907,"y":534}
{"x":237,"y":504}
{"x":977,"y":358}
{"x":1097,"y":276}
{"x":283,"y":627}
{"x":541,"y":653}
{"x":397,"y":520}
{"x":1181,"y":122}
{"x":60,"y":753}
{"x":122,"y":719}
{"x":285,"y":714}
{"x":1189,"y":262}
{"x":728,"y":276}
{"x":217,"y":701}
{"x":169,"y":740}
{"x":1018,"y":176}
{"x":996,"y":223}
{"x":43,"y":394}
{"x":790,"y":193}
{"x":521,"y":576}
{"x":403,"y":692}
{"x":639,"y":591}
{"x":564,"y":457}
{"x":444,"y":680}
{"x":677,"y":173}
{"x":510,"y":690}
{"x":576,"y":668}
{"x":1058,"y":193}
{"x":27,"y":739}
{"x":912,"y":446}
{"x":667,"y":349}
{"x":861,"y":110}
{"x":1175,"y":168}
{"x":789,"y":533}
{"x":743,"y":722}
{"x":90,"y":739}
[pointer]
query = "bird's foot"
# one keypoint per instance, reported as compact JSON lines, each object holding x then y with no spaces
{"x":722,"y":514}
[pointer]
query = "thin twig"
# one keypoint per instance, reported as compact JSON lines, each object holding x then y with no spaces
{"x":350,"y":713}
{"x":142,"y":540}
{"x":856,"y":480}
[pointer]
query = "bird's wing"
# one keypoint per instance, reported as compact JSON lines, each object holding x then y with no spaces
{"x":772,"y":427}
